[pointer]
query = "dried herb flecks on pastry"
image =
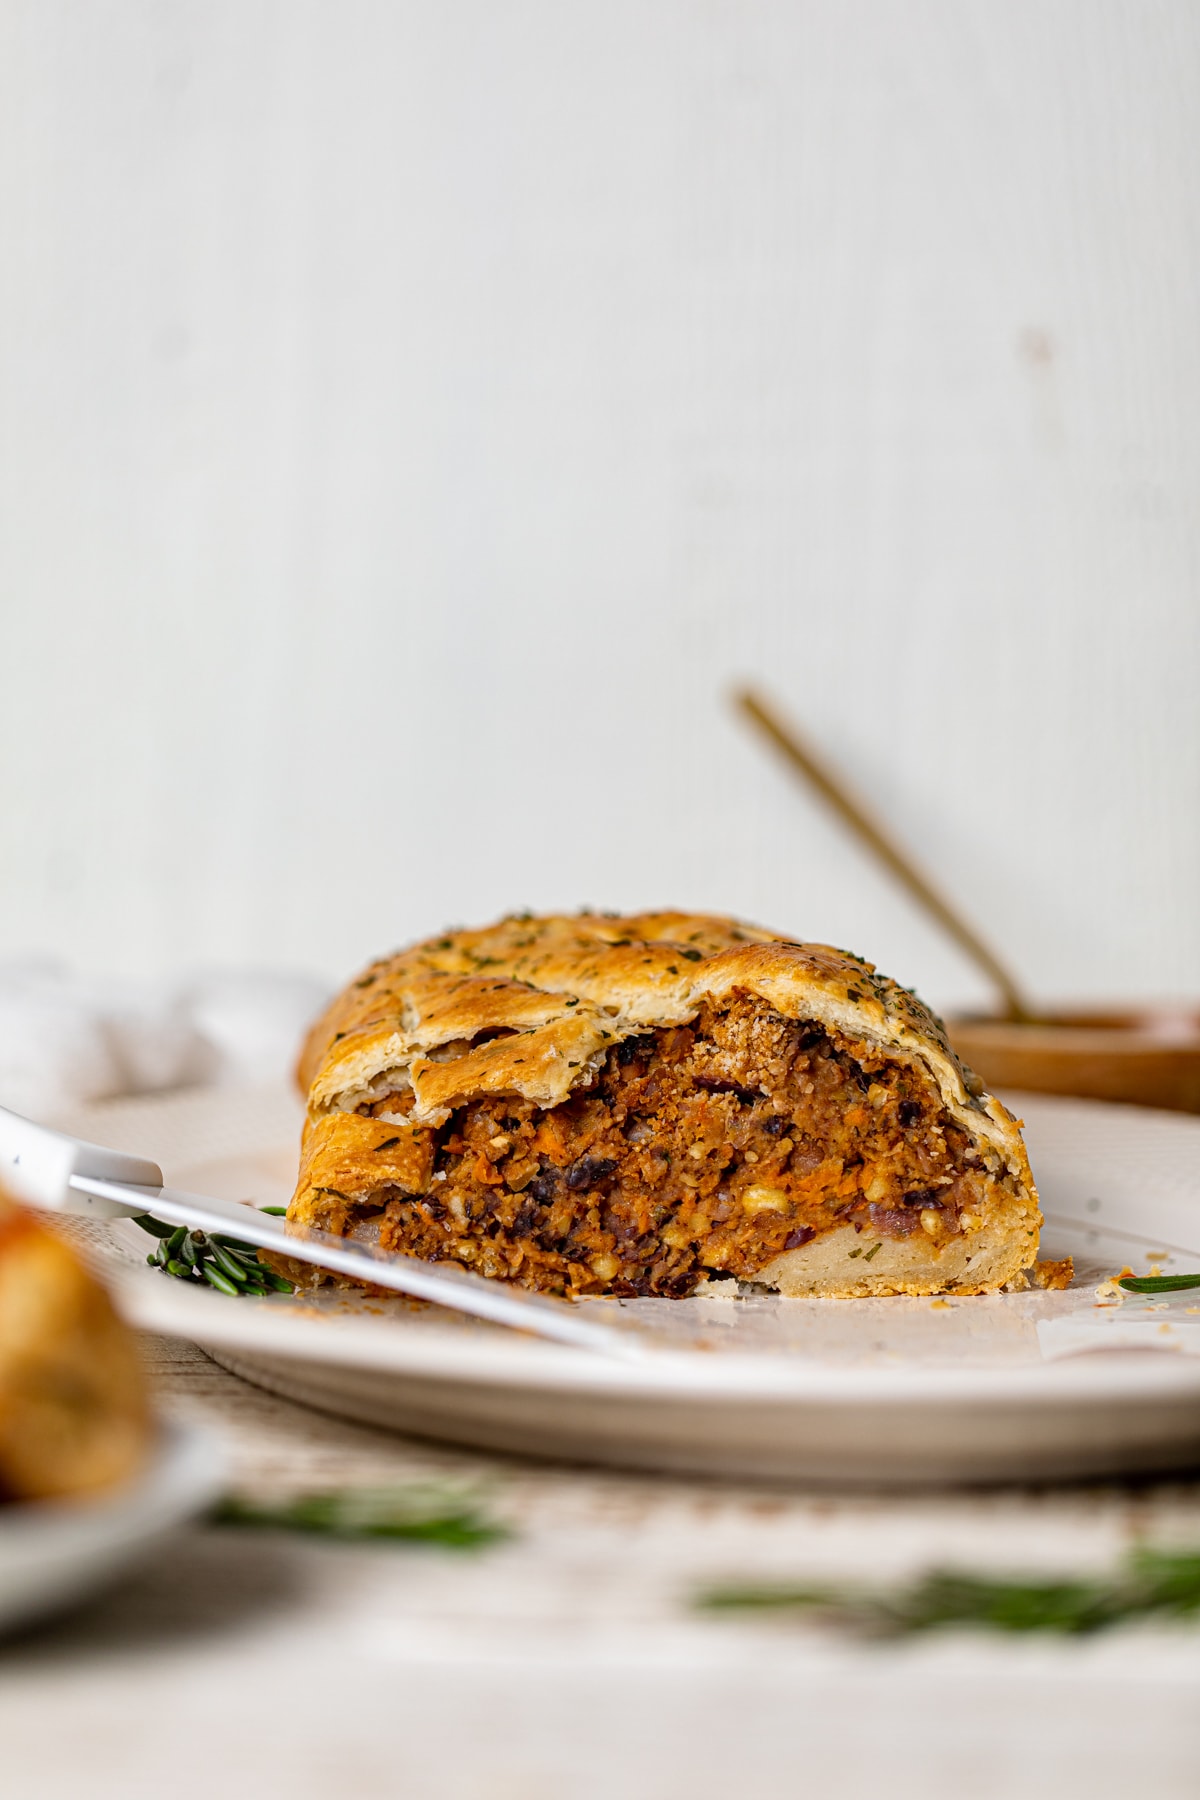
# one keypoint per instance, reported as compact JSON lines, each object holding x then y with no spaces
{"x":632,"y":1105}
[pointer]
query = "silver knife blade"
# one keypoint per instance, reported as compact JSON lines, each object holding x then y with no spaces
{"x":443,"y":1283}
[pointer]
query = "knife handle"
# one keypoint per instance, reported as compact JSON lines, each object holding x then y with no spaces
{"x":36,"y":1166}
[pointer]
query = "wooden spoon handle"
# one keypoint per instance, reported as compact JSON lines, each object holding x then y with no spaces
{"x":800,"y":755}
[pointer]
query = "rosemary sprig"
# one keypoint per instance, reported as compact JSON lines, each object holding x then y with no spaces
{"x":420,"y":1515}
{"x":1157,"y":1284}
{"x":1151,"y":1583}
{"x":225,"y":1263}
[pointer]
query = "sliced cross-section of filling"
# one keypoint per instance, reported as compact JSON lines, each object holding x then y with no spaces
{"x":741,"y":1143}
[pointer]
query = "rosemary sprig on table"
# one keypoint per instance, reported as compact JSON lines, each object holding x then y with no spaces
{"x":225,"y":1263}
{"x":1161,"y":1584}
{"x":415,"y":1514}
{"x":1157,"y":1284}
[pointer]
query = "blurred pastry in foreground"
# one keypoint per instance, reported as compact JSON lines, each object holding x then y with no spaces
{"x":74,"y":1416}
{"x":634,"y":1105}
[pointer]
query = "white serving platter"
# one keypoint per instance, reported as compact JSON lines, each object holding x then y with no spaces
{"x":884,"y":1392}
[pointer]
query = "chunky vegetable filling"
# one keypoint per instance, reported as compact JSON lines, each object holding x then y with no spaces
{"x":700,"y":1150}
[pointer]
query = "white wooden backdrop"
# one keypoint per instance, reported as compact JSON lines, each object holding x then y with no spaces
{"x":414,"y":414}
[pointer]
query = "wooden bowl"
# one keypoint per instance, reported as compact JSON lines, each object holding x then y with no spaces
{"x":1144,"y":1055}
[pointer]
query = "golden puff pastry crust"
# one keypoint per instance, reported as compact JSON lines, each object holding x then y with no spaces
{"x":637,"y":1103}
{"x":74,"y":1407}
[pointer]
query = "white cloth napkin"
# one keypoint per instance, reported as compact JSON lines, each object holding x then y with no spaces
{"x":67,"y":1039}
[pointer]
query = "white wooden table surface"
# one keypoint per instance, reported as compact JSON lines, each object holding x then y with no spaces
{"x":569,"y":1660}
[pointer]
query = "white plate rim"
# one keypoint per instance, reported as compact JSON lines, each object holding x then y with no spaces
{"x":455,"y":1356}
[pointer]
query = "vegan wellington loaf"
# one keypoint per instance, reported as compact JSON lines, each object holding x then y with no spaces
{"x":74,"y":1405}
{"x":635,"y":1105}
{"x":641,"y":1104}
